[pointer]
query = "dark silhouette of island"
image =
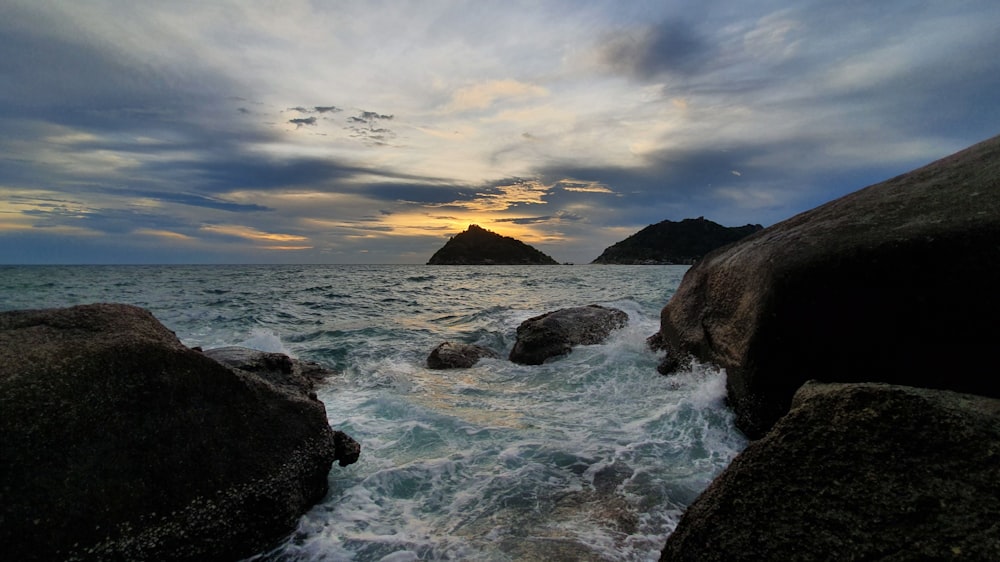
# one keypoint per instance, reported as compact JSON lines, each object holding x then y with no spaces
{"x":478,"y":246}
{"x":670,"y":242}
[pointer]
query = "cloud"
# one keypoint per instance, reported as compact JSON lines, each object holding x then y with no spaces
{"x":303,"y":121}
{"x":124,"y":117}
{"x":366,"y":125}
{"x":671,"y":46}
{"x":583,"y":186}
{"x":485,"y":94}
{"x":561,"y":216}
{"x":271,"y":240}
{"x":196,"y":200}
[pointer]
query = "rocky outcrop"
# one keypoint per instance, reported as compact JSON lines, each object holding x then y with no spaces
{"x":121,"y":443}
{"x":457,"y":355}
{"x":277,"y":368}
{"x":478,"y":246}
{"x":555,"y":333}
{"x":670,"y":242}
{"x":295,"y":375}
{"x":857,"y":472}
{"x":893,"y":283}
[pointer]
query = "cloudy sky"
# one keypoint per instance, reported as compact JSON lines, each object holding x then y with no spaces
{"x":368,"y":132}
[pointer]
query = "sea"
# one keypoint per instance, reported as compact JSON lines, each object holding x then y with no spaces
{"x":590,"y":456}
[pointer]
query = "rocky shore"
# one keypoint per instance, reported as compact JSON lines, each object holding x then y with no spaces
{"x":886,"y":289}
{"x":121,"y":443}
{"x":670,"y":242}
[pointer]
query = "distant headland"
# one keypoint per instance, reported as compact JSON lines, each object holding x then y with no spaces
{"x":670,"y":242}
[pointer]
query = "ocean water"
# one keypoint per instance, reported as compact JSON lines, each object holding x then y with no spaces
{"x":592,"y":456}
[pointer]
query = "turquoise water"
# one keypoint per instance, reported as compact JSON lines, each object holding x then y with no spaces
{"x":592,"y":456}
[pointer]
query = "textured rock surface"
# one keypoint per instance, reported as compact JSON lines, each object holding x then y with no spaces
{"x":457,"y":355}
{"x":857,"y":472}
{"x":885,"y":284}
{"x":291,"y":374}
{"x":669,"y":242}
{"x":555,"y":333}
{"x":478,"y":246}
{"x":277,"y":368}
{"x":121,"y":443}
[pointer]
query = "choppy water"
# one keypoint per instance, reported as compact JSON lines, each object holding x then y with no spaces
{"x":592,"y":456}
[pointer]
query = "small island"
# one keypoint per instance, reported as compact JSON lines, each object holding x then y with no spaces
{"x":670,"y":242}
{"x":478,"y":246}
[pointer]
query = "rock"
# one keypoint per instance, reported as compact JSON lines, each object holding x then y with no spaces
{"x":857,"y":472}
{"x":670,"y":242}
{"x":452,"y":355}
{"x":478,"y":246}
{"x":555,"y":333}
{"x":277,"y":368}
{"x":121,"y":443}
{"x":885,"y":284}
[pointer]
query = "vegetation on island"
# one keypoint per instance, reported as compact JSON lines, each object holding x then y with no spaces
{"x":478,"y":246}
{"x":670,"y":242}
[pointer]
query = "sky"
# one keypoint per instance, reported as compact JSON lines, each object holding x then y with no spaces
{"x":370,"y":132}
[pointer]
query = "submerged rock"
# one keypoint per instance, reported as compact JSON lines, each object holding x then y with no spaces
{"x":555,"y":333}
{"x":121,"y":443}
{"x":857,"y":472}
{"x":456,"y":355}
{"x":883,"y":284}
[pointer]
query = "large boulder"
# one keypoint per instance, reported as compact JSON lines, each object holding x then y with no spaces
{"x":857,"y":472}
{"x":457,"y":355}
{"x":555,"y":333}
{"x":121,"y":443}
{"x":896,"y":283}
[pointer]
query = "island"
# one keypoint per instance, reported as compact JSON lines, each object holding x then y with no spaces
{"x":478,"y":246}
{"x":670,"y":242}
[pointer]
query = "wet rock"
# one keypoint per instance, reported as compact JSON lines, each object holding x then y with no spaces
{"x":857,"y":472}
{"x":555,"y":333}
{"x":456,"y":355}
{"x":121,"y":443}
{"x":277,"y":368}
{"x":883,"y":284}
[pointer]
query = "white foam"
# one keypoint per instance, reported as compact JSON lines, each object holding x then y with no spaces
{"x":263,"y":339}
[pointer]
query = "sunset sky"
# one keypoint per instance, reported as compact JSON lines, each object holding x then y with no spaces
{"x":369,"y":132}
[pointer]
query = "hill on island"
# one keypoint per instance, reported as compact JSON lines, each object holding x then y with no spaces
{"x":478,"y":246}
{"x":670,"y":242}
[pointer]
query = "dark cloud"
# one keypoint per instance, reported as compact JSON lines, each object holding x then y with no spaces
{"x":420,"y":193}
{"x":561,"y":216}
{"x":106,"y":220}
{"x":196,"y":200}
{"x":671,"y":46}
{"x":366,"y":126}
{"x":327,"y":109}
{"x":370,"y":117}
{"x":302,"y":121}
